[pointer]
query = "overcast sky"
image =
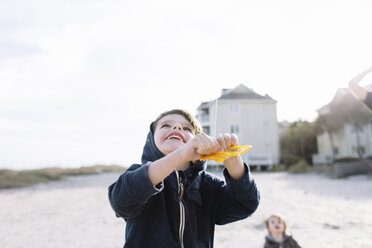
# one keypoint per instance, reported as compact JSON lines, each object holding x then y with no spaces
{"x":80,"y":81}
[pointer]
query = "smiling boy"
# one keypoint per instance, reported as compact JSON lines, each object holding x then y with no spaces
{"x":170,"y":200}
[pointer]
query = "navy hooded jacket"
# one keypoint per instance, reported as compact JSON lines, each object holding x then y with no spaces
{"x":183,"y":209}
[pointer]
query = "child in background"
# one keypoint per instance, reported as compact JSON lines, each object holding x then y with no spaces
{"x":170,"y":200}
{"x":277,"y":237}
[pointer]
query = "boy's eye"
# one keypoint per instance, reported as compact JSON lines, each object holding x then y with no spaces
{"x":187,"y":129}
{"x":165,"y":125}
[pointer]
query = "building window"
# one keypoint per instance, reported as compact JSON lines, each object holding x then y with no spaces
{"x":234,"y":129}
{"x":357,"y":129}
{"x":335,"y":150}
{"x":205,"y":111}
{"x":362,"y":149}
{"x":206,"y":130}
{"x":234,"y":107}
{"x":204,"y":114}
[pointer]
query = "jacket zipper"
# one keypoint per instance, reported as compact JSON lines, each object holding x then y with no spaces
{"x":182,"y":208}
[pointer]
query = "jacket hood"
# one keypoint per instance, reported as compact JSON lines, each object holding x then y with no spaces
{"x":151,"y":153}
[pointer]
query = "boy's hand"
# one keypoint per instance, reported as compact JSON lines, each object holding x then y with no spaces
{"x":233,"y":164}
{"x":203,"y":144}
{"x":200,"y":145}
{"x":227,"y":139}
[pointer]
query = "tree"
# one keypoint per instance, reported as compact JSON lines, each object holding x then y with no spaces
{"x":326,"y":124}
{"x":298,"y":141}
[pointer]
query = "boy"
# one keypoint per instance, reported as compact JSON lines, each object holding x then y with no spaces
{"x":170,"y":200}
{"x":277,"y":237}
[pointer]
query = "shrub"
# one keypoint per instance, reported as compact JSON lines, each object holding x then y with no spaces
{"x":14,"y":178}
{"x":300,"y":167}
{"x":280,"y":167}
{"x":289,"y":159}
{"x":346,"y":159}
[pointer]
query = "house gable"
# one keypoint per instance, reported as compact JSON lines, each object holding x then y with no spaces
{"x":241,"y":92}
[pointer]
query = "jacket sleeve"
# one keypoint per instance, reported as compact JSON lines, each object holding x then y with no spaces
{"x":131,"y":191}
{"x":236,"y":199}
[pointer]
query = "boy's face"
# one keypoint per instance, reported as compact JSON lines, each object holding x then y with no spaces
{"x":276,"y":227}
{"x":171,"y":132}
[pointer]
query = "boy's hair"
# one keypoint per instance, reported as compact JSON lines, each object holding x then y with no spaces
{"x":280,"y":219}
{"x":197,"y":128}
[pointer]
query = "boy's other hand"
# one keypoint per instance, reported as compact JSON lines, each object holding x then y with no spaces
{"x":234,"y":164}
{"x":227,"y":139}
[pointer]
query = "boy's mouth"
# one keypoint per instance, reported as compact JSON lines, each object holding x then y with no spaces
{"x":175,"y":135}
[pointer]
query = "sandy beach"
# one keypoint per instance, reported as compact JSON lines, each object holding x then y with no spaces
{"x":75,"y":212}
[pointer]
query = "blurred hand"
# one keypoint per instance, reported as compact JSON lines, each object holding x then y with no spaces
{"x":227,"y":139}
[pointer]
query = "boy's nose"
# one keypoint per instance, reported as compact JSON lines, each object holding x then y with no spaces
{"x":177,"y":126}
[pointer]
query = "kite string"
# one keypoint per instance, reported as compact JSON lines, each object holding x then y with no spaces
{"x":215,"y":120}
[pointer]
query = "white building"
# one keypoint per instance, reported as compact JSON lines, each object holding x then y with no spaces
{"x":345,"y":140}
{"x":249,"y":115}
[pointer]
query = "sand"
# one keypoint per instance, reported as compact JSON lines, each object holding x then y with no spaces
{"x":75,"y":212}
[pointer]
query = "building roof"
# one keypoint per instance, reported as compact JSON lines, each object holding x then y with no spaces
{"x":340,"y":94}
{"x":242,"y":92}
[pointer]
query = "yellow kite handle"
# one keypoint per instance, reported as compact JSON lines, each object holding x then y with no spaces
{"x":221,"y":156}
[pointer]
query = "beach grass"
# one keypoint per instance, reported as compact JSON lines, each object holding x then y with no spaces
{"x":23,"y":178}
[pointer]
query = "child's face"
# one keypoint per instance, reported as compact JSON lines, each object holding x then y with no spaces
{"x":276,"y":227}
{"x":171,"y":132}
